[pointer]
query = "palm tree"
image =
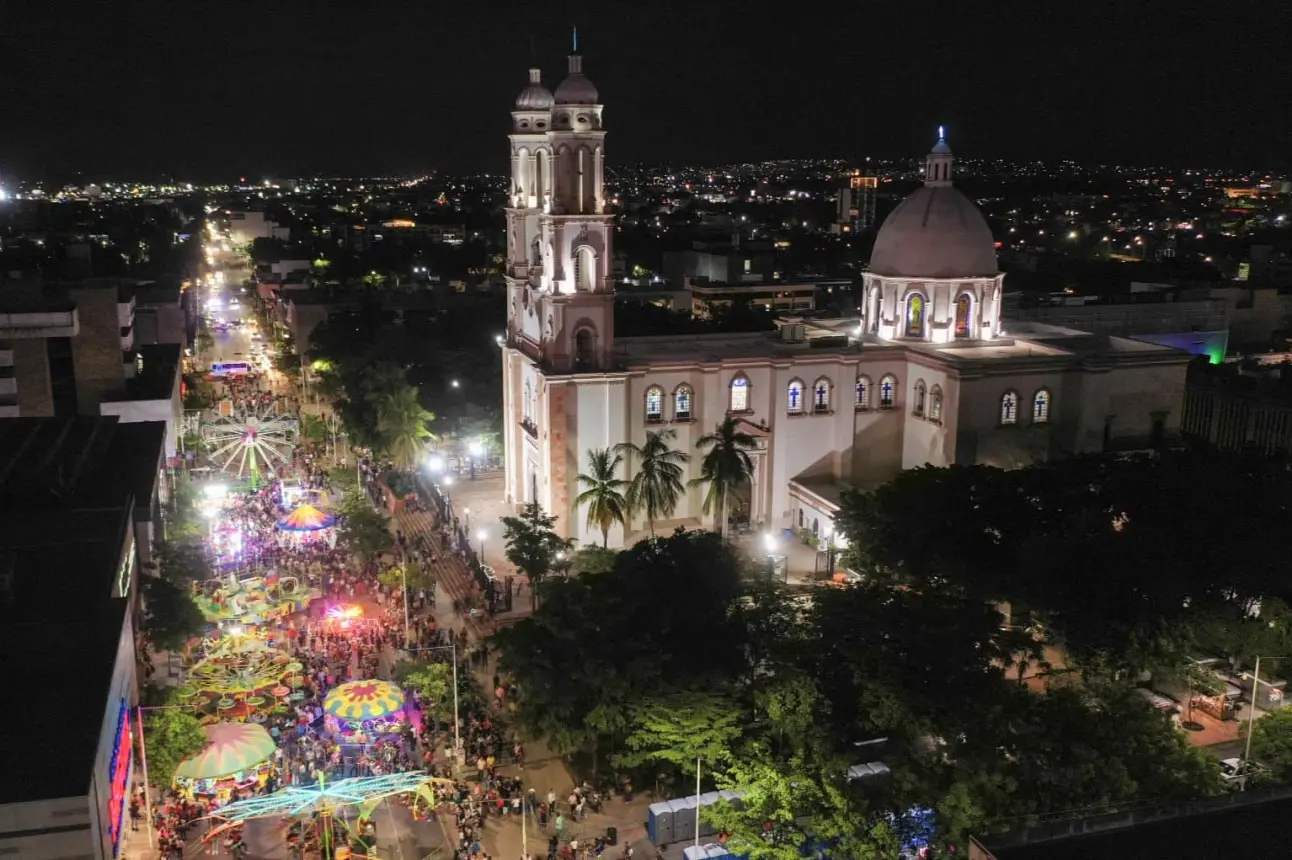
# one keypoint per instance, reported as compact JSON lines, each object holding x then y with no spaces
{"x":604,"y":495}
{"x":402,"y":421}
{"x":725,"y":467}
{"x":657,"y":486}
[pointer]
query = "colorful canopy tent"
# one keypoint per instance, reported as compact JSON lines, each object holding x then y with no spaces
{"x":364,"y":700}
{"x":306,"y":518}
{"x":231,"y":748}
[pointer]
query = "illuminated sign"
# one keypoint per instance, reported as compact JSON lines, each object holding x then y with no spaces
{"x":119,"y":777}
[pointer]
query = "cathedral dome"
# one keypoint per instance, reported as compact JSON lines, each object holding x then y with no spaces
{"x":576,"y":89}
{"x":535,"y":96}
{"x":937,"y":232}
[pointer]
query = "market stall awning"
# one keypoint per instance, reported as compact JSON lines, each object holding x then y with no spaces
{"x":231,"y":748}
{"x":306,"y":518}
{"x":364,"y":700}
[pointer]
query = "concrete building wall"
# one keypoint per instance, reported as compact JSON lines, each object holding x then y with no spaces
{"x":96,"y":350}
{"x":31,"y":369}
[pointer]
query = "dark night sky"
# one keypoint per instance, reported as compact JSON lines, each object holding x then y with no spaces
{"x":221,"y":88}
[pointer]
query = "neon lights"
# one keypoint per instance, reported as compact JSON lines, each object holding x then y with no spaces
{"x":119,"y":777}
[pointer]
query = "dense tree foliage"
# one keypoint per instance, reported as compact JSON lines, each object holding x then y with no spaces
{"x":171,"y":617}
{"x":364,"y":530}
{"x":1119,"y":566}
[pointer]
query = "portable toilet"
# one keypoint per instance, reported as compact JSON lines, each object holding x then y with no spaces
{"x":659,"y":823}
{"x":709,"y":798}
{"x":684,"y":812}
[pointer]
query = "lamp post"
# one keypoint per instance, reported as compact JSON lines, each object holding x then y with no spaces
{"x":143,"y":759}
{"x":1251,"y":720}
{"x":480,"y":536}
{"x":453,"y":649}
{"x":403,"y":573}
{"x":466,"y":514}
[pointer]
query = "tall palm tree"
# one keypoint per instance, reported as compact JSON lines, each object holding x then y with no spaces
{"x":402,"y":421}
{"x":657,"y":487}
{"x":725,"y":466}
{"x":604,"y":495}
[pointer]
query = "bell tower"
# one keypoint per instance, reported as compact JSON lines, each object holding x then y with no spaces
{"x":575,"y":234}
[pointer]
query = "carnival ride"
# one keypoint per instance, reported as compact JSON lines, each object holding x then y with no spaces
{"x":254,"y":599}
{"x":307,"y":523}
{"x":253,"y":438}
{"x":237,"y":755}
{"x":367,"y":708}
{"x":325,"y":805}
{"x":242,"y":677}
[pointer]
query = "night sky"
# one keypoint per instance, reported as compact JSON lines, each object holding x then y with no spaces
{"x":216,"y":90}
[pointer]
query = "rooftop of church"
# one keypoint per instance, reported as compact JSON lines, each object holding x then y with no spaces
{"x":801,"y":338}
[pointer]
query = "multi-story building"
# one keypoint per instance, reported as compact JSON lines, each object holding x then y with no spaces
{"x":924,"y":374}
{"x":855,"y":208}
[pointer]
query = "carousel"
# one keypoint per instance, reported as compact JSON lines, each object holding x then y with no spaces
{"x":362,"y":710}
{"x":243,"y":677}
{"x":237,"y":757}
{"x":254,"y":599}
{"x":307,"y":524}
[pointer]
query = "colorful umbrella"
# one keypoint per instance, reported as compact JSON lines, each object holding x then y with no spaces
{"x":306,"y":518}
{"x":231,"y":748}
{"x":364,"y":700}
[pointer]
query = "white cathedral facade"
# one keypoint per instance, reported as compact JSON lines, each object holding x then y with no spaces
{"x":925,"y":373}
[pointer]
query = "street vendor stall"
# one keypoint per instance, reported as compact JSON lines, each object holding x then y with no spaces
{"x":237,"y":756}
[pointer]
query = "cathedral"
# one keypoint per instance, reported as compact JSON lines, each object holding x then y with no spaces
{"x":923,"y":373}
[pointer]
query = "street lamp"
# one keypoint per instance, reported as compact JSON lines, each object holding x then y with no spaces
{"x":435,"y":463}
{"x":480,"y":536}
{"x":455,"y":384}
{"x":466,"y":515}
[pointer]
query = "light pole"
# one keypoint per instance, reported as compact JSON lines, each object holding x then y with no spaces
{"x":453,"y":648}
{"x":1251,"y":721}
{"x":697,"y":801}
{"x":480,"y":536}
{"x":403,"y":572}
{"x":466,"y":513}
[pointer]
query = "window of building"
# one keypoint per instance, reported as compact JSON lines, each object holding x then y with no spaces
{"x":654,"y":404}
{"x":794,"y":397}
{"x":921,"y":394}
{"x":915,"y":315}
{"x":682,"y":403}
{"x":1009,"y":408}
{"x":861,"y":397}
{"x":740,"y":394}
{"x":935,"y":404}
{"x":887,"y":390}
{"x":964,"y":307}
{"x":821,"y":395}
{"x":1041,"y":407}
{"x":528,"y":403}
{"x":583,"y":349}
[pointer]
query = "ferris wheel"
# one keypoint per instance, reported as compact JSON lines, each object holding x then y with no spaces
{"x":250,"y":440}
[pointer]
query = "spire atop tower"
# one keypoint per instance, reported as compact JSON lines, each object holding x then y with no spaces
{"x":576,"y":62}
{"x":575,"y":34}
{"x":937,"y":167}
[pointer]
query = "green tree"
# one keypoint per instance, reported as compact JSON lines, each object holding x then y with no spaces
{"x":403,"y":426}
{"x":592,"y":560}
{"x":681,"y":728}
{"x":657,"y":486}
{"x":411,"y":572}
{"x":363,"y":530}
{"x":1272,"y":744}
{"x":170,"y":736}
{"x":533,"y":545}
{"x":604,"y":492}
{"x":313,"y":427}
{"x":183,"y":559}
{"x":433,"y":681}
{"x":171,"y":618}
{"x":725,"y":467}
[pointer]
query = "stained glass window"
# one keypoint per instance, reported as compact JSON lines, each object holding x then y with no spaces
{"x":915,"y":316}
{"x":935,"y":404}
{"x":861,"y":399}
{"x":1041,"y":407}
{"x":920,"y":393}
{"x":821,"y":396}
{"x":795,"y":396}
{"x":964,"y":305}
{"x":682,"y":404}
{"x":1009,"y":408}
{"x":887,"y":386}
{"x":740,"y":394}
{"x":654,"y":404}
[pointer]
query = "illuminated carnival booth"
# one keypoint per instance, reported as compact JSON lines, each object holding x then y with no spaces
{"x":236,"y":756}
{"x":308,"y":524}
{"x":370,"y":708}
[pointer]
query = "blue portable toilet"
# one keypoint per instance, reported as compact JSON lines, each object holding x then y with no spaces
{"x":684,"y":812}
{"x":659,"y":823}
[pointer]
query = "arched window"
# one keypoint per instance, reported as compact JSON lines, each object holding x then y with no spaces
{"x":921,"y":394}
{"x":1041,"y":407}
{"x":740,"y":394}
{"x":794,"y":397}
{"x":682,"y":403}
{"x":654,"y":405}
{"x":525,"y":407}
{"x":585,"y":269}
{"x":861,"y":396}
{"x":887,"y":391}
{"x":1009,"y":408}
{"x":821,"y":395}
{"x":935,"y":403}
{"x":964,"y":308}
{"x":584,"y":353}
{"x":915,"y":315}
